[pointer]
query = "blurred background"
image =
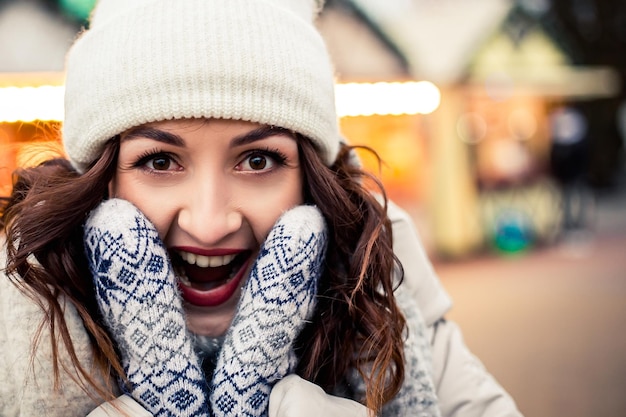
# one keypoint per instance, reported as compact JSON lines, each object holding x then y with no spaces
{"x":501,"y":125}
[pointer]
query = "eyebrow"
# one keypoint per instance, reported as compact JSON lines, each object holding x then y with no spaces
{"x":260,"y":133}
{"x":154,"y":134}
{"x":176,"y":140}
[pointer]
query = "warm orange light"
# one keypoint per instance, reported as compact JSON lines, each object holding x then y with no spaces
{"x":45,"y":102}
{"x":366,"y":99}
{"x":27,"y":104}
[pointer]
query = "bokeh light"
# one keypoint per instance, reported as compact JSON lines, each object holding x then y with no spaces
{"x":353,"y":99}
{"x":471,"y":127}
{"x":27,"y":104}
{"x":522,"y":124}
{"x":366,"y":99}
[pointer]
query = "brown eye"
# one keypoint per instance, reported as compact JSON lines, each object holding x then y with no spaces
{"x":160,"y":163}
{"x":257,"y":162}
{"x":261,"y":161}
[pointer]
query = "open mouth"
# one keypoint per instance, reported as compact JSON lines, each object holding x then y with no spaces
{"x":209,"y":281}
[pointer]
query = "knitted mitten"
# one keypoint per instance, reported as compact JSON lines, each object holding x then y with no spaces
{"x":137,"y":296}
{"x":278,"y":300}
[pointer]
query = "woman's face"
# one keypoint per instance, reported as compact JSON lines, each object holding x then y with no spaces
{"x":213,"y":189}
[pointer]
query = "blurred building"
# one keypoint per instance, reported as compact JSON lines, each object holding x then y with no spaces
{"x":481,"y":166}
{"x":34,"y":39}
{"x":464,"y":100}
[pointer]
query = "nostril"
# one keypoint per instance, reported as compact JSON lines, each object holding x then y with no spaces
{"x":209,"y":227}
{"x":234,"y":220}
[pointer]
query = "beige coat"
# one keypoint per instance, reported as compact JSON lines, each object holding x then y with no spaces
{"x":26,"y":387}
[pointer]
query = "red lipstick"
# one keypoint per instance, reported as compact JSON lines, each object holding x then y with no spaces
{"x":212,"y":286}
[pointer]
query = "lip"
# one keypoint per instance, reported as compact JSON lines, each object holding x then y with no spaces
{"x":218,"y":295}
{"x":208,"y":252}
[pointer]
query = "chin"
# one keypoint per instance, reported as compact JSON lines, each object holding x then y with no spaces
{"x":211,"y":296}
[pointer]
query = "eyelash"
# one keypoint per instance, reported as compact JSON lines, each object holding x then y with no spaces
{"x":275,"y":154}
{"x":147,"y":156}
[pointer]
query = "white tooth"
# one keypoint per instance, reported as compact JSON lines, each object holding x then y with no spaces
{"x":206,"y":261}
{"x":202,"y":261}
{"x":216,"y":261}
{"x":184,"y":280}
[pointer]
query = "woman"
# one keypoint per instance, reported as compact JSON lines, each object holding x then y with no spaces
{"x":213,"y":119}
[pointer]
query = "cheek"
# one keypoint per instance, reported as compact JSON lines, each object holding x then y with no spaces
{"x":149,"y":201}
{"x":264,"y":209}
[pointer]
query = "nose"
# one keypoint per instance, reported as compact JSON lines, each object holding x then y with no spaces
{"x":208,"y":213}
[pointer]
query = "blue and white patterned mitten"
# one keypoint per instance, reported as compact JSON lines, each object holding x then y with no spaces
{"x":137,"y":295}
{"x":138,"y":298}
{"x":276,"y":303}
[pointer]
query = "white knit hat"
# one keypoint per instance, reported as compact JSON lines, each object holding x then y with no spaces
{"x":143,"y":61}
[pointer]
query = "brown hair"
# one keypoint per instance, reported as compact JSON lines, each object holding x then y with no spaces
{"x":43,"y":217}
{"x":357,"y":323}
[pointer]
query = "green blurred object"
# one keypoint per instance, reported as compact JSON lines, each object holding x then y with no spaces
{"x":513,"y":233}
{"x":77,"y":9}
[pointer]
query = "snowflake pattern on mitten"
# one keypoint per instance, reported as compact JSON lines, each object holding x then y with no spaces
{"x":276,"y":303}
{"x":137,"y":296}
